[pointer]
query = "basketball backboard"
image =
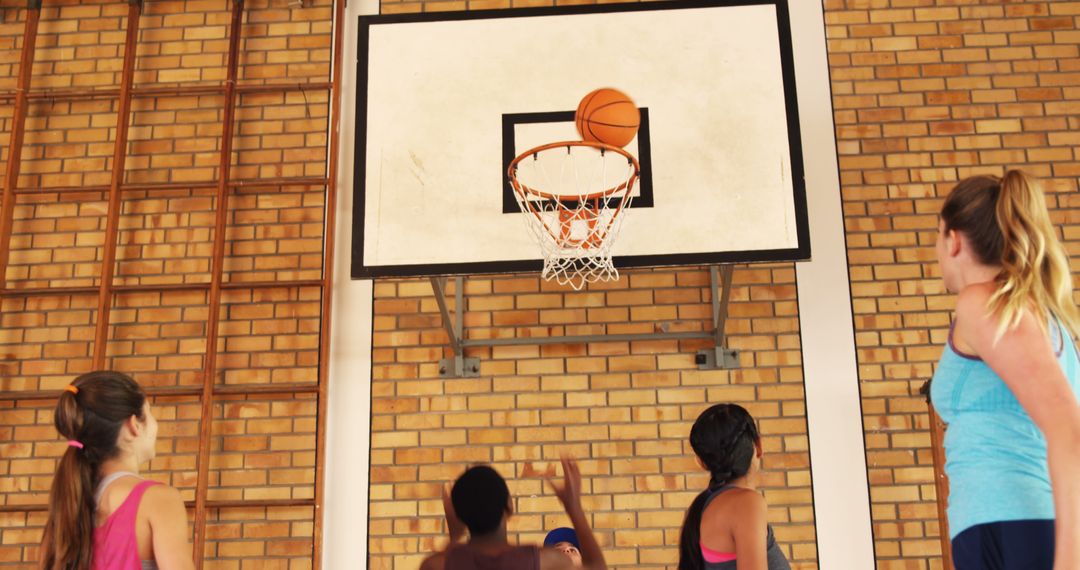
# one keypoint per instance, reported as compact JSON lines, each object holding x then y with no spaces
{"x":446,"y":100}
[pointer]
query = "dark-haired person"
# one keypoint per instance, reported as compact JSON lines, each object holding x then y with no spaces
{"x":726,"y":527}
{"x":1008,"y":380}
{"x":102,"y":514}
{"x":480,"y":502}
{"x":565,"y":540}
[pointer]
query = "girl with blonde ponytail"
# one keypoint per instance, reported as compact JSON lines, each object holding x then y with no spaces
{"x":102,"y":514}
{"x":1008,"y":382}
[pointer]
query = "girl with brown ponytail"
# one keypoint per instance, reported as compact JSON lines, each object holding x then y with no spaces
{"x":1008,"y":380}
{"x":725,"y":527}
{"x":102,"y":514}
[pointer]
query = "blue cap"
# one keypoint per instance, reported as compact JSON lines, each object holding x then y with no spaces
{"x":562,"y":534}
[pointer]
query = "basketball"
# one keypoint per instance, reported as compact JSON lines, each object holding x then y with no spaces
{"x":607,"y":115}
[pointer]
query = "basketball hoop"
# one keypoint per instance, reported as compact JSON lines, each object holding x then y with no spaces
{"x":555,"y":185}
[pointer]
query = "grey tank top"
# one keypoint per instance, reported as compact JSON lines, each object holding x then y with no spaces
{"x":108,"y":480}
{"x":774,"y":556}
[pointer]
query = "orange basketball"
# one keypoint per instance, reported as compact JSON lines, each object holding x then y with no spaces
{"x":608,"y":116}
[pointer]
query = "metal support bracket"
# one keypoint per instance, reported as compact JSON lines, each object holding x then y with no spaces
{"x":457,"y":366}
{"x":719,"y":356}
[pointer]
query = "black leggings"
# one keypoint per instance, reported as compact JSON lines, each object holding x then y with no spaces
{"x":1010,"y":545}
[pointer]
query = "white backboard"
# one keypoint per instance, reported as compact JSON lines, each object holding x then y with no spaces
{"x":446,"y":100}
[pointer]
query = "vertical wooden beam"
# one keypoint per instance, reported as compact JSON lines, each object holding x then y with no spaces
{"x":329,"y":229}
{"x":112,"y":220}
{"x":18,"y":129}
{"x":216,"y":271}
{"x":941,"y":484}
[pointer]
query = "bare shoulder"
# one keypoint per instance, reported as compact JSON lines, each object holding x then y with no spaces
{"x":737,"y":507}
{"x":434,"y":562}
{"x":163,"y":495}
{"x":972,"y":301}
{"x":163,"y":501}
{"x":737,"y":499}
{"x":747,"y":500}
{"x":974,"y":323}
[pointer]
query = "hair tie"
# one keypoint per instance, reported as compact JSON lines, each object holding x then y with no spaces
{"x":72,"y":388}
{"x":73,"y":443}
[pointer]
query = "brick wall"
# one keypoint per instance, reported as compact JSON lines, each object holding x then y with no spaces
{"x":262,"y":444}
{"x":623,"y":408}
{"x":926,"y":93}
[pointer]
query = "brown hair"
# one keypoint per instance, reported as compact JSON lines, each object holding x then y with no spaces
{"x":90,"y":414}
{"x":1008,"y":225}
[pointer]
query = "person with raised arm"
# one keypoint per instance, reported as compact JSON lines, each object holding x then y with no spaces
{"x":480,"y":504}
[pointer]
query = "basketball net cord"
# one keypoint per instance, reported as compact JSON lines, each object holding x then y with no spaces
{"x":573,"y":195}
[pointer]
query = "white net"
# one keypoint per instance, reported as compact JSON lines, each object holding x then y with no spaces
{"x":574,"y":195}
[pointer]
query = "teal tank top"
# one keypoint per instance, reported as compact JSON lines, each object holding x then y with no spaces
{"x":995,"y":455}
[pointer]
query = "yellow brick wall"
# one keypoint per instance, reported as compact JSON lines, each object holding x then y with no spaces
{"x":623,"y":408}
{"x":263,"y":445}
{"x":926,"y":93}
{"x":923,"y":95}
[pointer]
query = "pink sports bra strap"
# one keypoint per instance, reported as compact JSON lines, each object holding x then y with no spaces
{"x":715,"y":557}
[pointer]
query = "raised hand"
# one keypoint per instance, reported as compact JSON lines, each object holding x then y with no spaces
{"x":454,"y":526}
{"x":569,"y":492}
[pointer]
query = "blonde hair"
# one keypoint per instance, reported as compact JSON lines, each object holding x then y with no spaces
{"x":1008,"y":225}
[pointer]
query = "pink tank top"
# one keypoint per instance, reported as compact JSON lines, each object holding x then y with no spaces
{"x":115,"y":547}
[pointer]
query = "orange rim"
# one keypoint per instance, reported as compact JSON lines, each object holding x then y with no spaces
{"x":526,"y":191}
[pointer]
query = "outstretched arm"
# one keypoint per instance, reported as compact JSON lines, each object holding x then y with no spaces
{"x":1024,"y":358}
{"x":569,"y":494}
{"x":454,"y":527}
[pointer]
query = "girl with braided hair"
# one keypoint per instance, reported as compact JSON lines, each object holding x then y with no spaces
{"x":725,"y":527}
{"x":102,"y":514}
